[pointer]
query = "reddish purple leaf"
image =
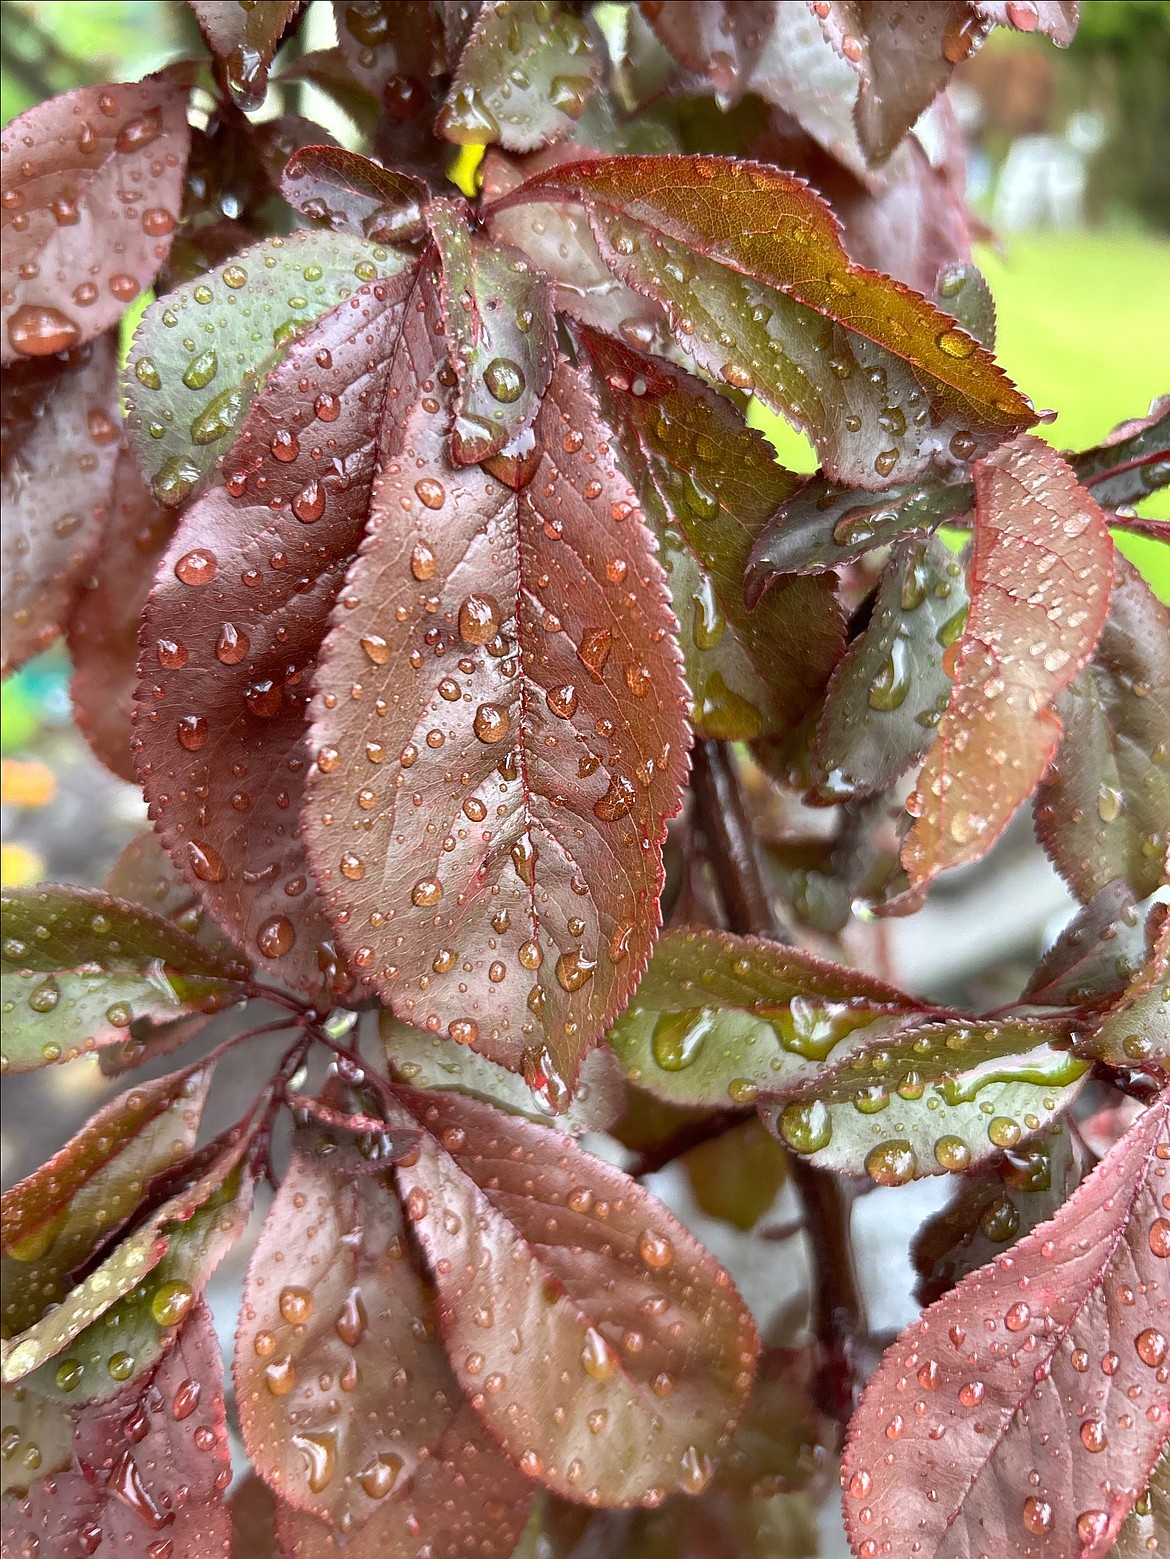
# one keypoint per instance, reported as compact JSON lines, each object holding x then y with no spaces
{"x":1103,"y":808}
{"x":512,"y":636}
{"x":150,"y":1467}
{"x":1039,"y":582}
{"x":253,"y":1512}
{"x":1056,"y":19}
{"x":1095,"y":955}
{"x":103,"y":625}
{"x":1136,"y":1031}
{"x":233,"y":626}
{"x":393,"y":48}
{"x":1059,"y":1344}
{"x":621,"y":1309}
{"x":354,"y":194}
{"x":1132,"y":463}
{"x":334,"y":1315}
{"x":92,"y":188}
{"x":749,"y":265}
{"x":60,"y":445}
{"x":243,"y":39}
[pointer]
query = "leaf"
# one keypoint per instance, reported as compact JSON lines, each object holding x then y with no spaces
{"x":1020,"y":1353}
{"x":253,"y":1511}
{"x":1056,"y":19}
{"x":1095,"y":955}
{"x":60,"y":444}
{"x":743,"y":253}
{"x":150,"y":1467}
{"x":121,"y":1315}
{"x":37,"y":1437}
{"x":718,"y":1019}
{"x":890,"y":689}
{"x":515,"y":628}
{"x":994,"y":1206}
{"x":92,"y":189}
{"x":426,"y":1060}
{"x":706,"y":482}
{"x":103,"y":625}
{"x":243,"y":39}
{"x":1136,"y":1031}
{"x":202,"y":353}
{"x":1132,"y":463}
{"x":1103,"y":807}
{"x":505,"y":1213}
{"x":525,"y":74}
{"x":1039,"y":581}
{"x":79,"y":967}
{"x":56,"y":1218}
{"x":501,"y":335}
{"x":146,"y":875}
{"x":231,"y":636}
{"x":392,"y":48}
{"x":904,"y":55}
{"x":354,"y":194}
{"x":1139,"y":1537}
{"x":963,"y":292}
{"x":346,"y":1396}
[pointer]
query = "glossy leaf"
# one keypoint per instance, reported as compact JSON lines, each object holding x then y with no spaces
{"x":1056,"y":19}
{"x":37,"y":1437}
{"x":525,"y":74}
{"x":426,"y":1060}
{"x":1103,"y":807}
{"x":231,"y":635}
{"x":963,"y":292}
{"x":150,"y":1467}
{"x":1027,"y":1349}
{"x":392,"y":48}
{"x":994,"y":1206}
{"x":56,"y":1218}
{"x":520,"y":643}
{"x":706,"y":482}
{"x":890,"y":689}
{"x":1039,"y":581}
{"x":904,"y":55}
{"x":719,"y":1019}
{"x":60,"y":445}
{"x":354,"y":194}
{"x":742,"y":253}
{"x":92,"y":187}
{"x":243,"y":39}
{"x":1095,"y":955}
{"x":647,"y":1316}
{"x":79,"y":967}
{"x":103,"y":625}
{"x":1132,"y":462}
{"x":202,"y":353}
{"x":333,"y":1313}
{"x":823,"y":526}
{"x":120,"y":1316}
{"x":145,"y":874}
{"x":501,"y":335}
{"x":1136,"y":1031}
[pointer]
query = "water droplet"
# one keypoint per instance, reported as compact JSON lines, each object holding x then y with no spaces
{"x":280,"y":1377}
{"x":1160,"y":1237}
{"x":955,"y":343}
{"x":375,"y":647}
{"x":171,"y":1303}
{"x":492,"y":723}
{"x":574,"y":970}
{"x":379,"y":1477}
{"x":479,"y":619}
{"x":201,"y":370}
{"x":232,"y":645}
{"x":296,"y":1305}
{"x":36,"y":331}
{"x":562,"y":701}
{"x":137,"y":133}
{"x":433,"y":495}
{"x":206,"y":863}
{"x":594,"y":650}
{"x":1038,"y":1515}
{"x":309,"y":503}
{"x":504,"y":379}
{"x":889,"y":688}
{"x":191,"y":732}
{"x":426,"y":892}
{"x":891,"y":1163}
{"x":598,"y":1359}
{"x":655,"y":1249}
{"x":679,"y":1038}
{"x":422,"y":561}
{"x":276,"y":937}
{"x":806,"y":1128}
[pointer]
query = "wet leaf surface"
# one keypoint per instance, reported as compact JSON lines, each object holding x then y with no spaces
{"x":202,"y":353}
{"x":1095,"y":955}
{"x":103,"y":625}
{"x":501,"y":335}
{"x":1066,"y":1333}
{"x":890,"y":689}
{"x":1132,"y":462}
{"x":60,"y":445}
{"x":707,"y":482}
{"x":92,"y":187}
{"x":37,"y":1437}
{"x":1148,"y":1522}
{"x":1103,"y":807}
{"x":519,"y":641}
{"x":525,"y":75}
{"x":354,"y":194}
{"x":392,"y":48}
{"x":1039,"y":581}
{"x":1136,"y":1031}
{"x":233,"y":627}
{"x":334,"y":1312}
{"x":243,"y":39}
{"x":150,"y":1467}
{"x":743,"y":254}
{"x":963,"y":292}
{"x":617,"y":1305}
{"x":79,"y":967}
{"x":1055,"y":19}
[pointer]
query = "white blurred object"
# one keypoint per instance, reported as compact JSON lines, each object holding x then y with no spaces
{"x":1042,"y":181}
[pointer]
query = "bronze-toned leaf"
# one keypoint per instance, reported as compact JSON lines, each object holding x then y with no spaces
{"x":243,"y":39}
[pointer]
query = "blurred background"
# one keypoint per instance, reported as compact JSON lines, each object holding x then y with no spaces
{"x":1068,"y":166}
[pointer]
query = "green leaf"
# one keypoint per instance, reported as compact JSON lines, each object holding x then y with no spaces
{"x":37,"y":1437}
{"x":707,"y":483}
{"x":749,"y":264}
{"x":526,"y":73}
{"x":78,"y":967}
{"x":497,"y":312}
{"x":1149,"y":1519}
{"x":203,"y":351}
{"x":890,"y":690}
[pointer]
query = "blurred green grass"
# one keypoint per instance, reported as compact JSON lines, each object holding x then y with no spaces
{"x":1084,"y":328}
